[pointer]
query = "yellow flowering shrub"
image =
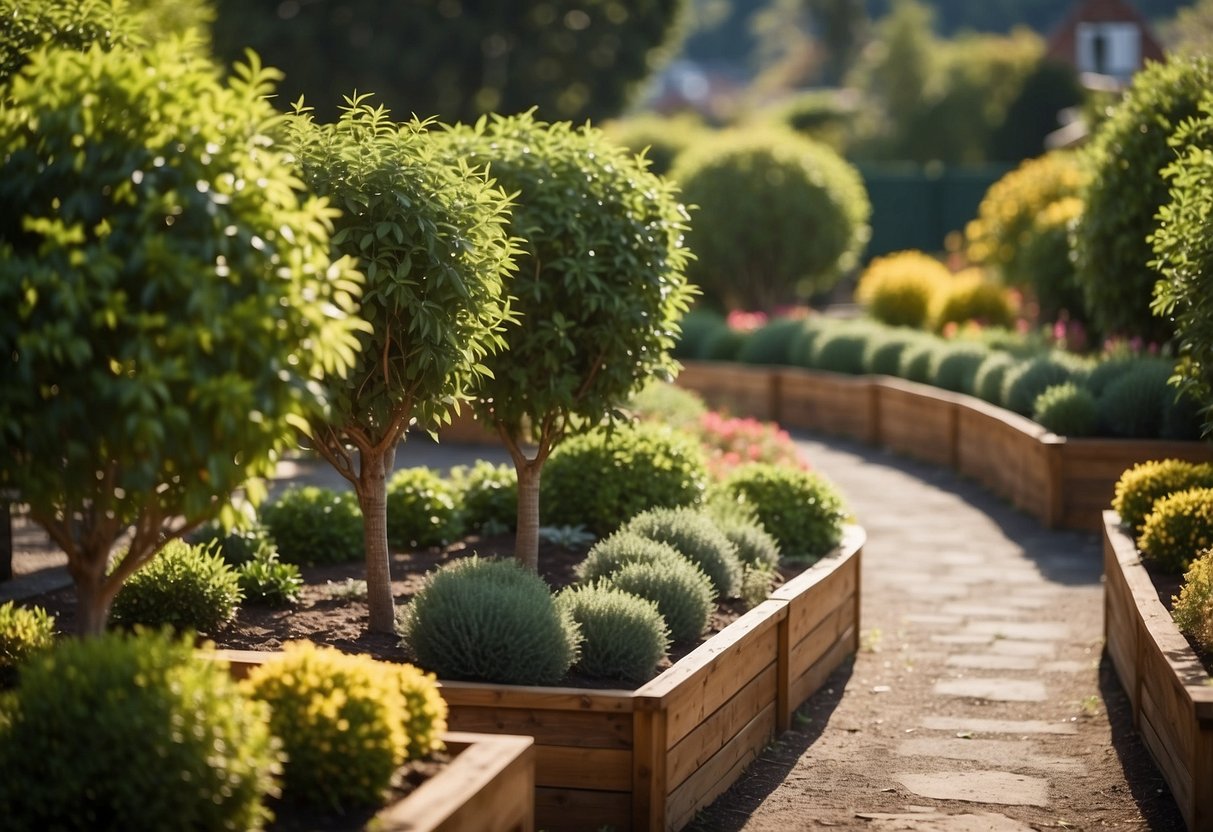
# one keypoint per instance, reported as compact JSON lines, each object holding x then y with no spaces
{"x":1180,"y":526}
{"x":425,"y":722}
{"x":897,"y":289}
{"x":1193,"y":608}
{"x":971,"y":296}
{"x":1142,"y":485}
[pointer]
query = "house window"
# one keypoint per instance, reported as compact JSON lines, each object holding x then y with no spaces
{"x":1109,"y":48}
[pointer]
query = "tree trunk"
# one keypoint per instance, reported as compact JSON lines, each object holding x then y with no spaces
{"x":93,"y":597}
{"x":372,"y":497}
{"x":526,"y":541}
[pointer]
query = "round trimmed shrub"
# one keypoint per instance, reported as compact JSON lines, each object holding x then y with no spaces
{"x":1193,"y":608}
{"x":425,"y":711}
{"x":722,"y":344}
{"x":756,"y":547}
{"x":601,"y":478}
{"x":770,"y":343}
{"x":1108,"y":369}
{"x":313,"y":525}
{"x":24,"y":632}
{"x":1134,"y":404}
{"x":988,"y":380}
{"x":341,"y":719}
{"x":624,"y":635}
{"x":488,"y":495}
{"x":954,"y":367}
{"x":1125,"y":191}
{"x":917,"y":359}
{"x":237,"y":546}
{"x":695,"y":536}
{"x":184,"y":587}
{"x":971,"y":296}
{"x":883,"y":352}
{"x":422,"y":509}
{"x":134,"y":732}
{"x":489,"y":621}
{"x":1067,"y":410}
{"x":696,"y":326}
{"x":682,"y":593}
{"x":779,"y":216}
{"x":898,"y":289}
{"x":840,"y":349}
{"x":1021,"y":385}
{"x":660,"y":138}
{"x":609,"y":555}
{"x":1145,"y":483}
{"x":801,"y":509}
{"x":1178,"y":528}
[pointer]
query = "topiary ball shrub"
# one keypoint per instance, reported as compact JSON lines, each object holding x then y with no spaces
{"x":184,"y":587}
{"x":898,"y":289}
{"x":624,"y":635}
{"x":696,"y":537}
{"x":422,"y":509}
{"x":954,"y":367}
{"x":1106,"y":370}
{"x":840,"y":350}
{"x":756,"y":547}
{"x":267,"y":581}
{"x":313,"y":525}
{"x":1021,"y":385}
{"x":682,"y":593}
{"x":779,"y":216}
{"x":696,"y":326}
{"x":800,"y":509}
{"x":1177,"y":529}
{"x":609,"y":555}
{"x":489,"y":621}
{"x":134,"y":732}
{"x":1134,"y":404}
{"x":988,"y":380}
{"x":722,"y":344}
{"x":917,"y":359}
{"x":488,"y":495}
{"x":1192,"y":609}
{"x":771,"y":343}
{"x":341,"y":719}
{"x":1067,"y":410}
{"x":883,"y":351}
{"x":24,"y":632}
{"x":601,"y":478}
{"x":971,"y":296}
{"x":1145,"y":483}
{"x":425,"y":710}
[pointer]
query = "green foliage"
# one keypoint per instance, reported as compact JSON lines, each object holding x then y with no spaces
{"x":63,"y":24}
{"x":488,"y":495}
{"x":771,"y":343}
{"x":24,"y":632}
{"x":883,"y":352}
{"x":602,"y":478}
{"x":239,"y":545}
{"x":341,"y":719}
{"x":120,"y":732}
{"x":990,"y":375}
{"x":184,"y":587}
{"x":697,"y":538}
{"x":897,"y":289}
{"x":171,"y":297}
{"x":779,"y":217}
{"x":425,"y":711}
{"x":609,"y":555}
{"x":1107,"y":369}
{"x":660,"y":138}
{"x":841,"y":349}
{"x":458,"y":61}
{"x":917,"y":359}
{"x":315,"y":525}
{"x":624,"y":635}
{"x":1179,"y":527}
{"x":1067,"y":409}
{"x":1135,"y":404}
{"x":422,"y":509}
{"x":697,"y":326}
{"x":682,"y":593}
{"x":668,"y":404}
{"x":1126,"y":190}
{"x":1047,"y":267}
{"x":800,"y":509}
{"x":971,"y":296}
{"x":1027,"y":380}
{"x":1193,"y":608}
{"x":1145,"y":483}
{"x":268,"y":581}
{"x":600,"y":281}
{"x":755,"y":546}
{"x":954,"y":367}
{"x":1184,"y":257}
{"x":490,"y":621}
{"x":722,"y":344}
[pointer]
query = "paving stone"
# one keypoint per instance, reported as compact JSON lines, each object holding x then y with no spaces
{"x":997,"y":726}
{"x":1014,"y":754}
{"x":991,"y":661}
{"x":1023,"y":630}
{"x":962,"y":638}
{"x":979,"y":787}
{"x":938,"y":822}
{"x":1065,"y":667}
{"x":937,"y":591}
{"x":1026,"y":602}
{"x":933,"y":618}
{"x":998,"y":690}
{"x":981,"y":611}
{"x":1015,"y":647}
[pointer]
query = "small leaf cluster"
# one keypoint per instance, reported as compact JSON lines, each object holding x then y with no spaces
{"x":24,"y":632}
{"x":268,"y":581}
{"x":1192,"y":609}
{"x":489,"y":620}
{"x":422,"y":509}
{"x":134,"y":732}
{"x":694,"y":535}
{"x":185,"y":587}
{"x":63,"y":24}
{"x":1178,"y":527}
{"x":897,"y":289}
{"x":1145,"y":483}
{"x":624,"y":635}
{"x":801,"y":509}
{"x":310,"y":524}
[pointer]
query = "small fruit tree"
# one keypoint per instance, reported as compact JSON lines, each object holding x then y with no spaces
{"x":169,"y":300}
{"x":600,"y":288}
{"x":430,"y":235}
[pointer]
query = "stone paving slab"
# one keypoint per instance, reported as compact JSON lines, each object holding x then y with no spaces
{"x":999,"y":787}
{"x":991,"y":661}
{"x":1006,"y":754}
{"x":997,"y":726}
{"x":997,"y":690}
{"x":1022,"y":630}
{"x":1015,"y":647}
{"x":939,"y":822}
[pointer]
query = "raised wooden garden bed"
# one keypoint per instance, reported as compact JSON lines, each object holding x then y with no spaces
{"x":1062,"y":482}
{"x":1170,"y":691}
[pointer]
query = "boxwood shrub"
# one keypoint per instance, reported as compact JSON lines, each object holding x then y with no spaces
{"x":800,"y":509}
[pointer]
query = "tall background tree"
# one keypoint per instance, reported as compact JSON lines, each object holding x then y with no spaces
{"x":457,"y":59}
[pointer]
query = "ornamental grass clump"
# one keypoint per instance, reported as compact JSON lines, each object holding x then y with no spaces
{"x":490,"y":621}
{"x":682,"y":593}
{"x":697,"y":538}
{"x":184,"y":587}
{"x":800,"y":509}
{"x":624,"y":635}
{"x":422,"y":509}
{"x":1179,"y":526}
{"x":1067,"y":410}
{"x":1192,"y":609}
{"x":609,"y":555}
{"x":313,"y":525}
{"x":1145,"y":483}
{"x":126,"y":732}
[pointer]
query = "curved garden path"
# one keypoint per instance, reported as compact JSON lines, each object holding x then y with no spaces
{"x":979,"y":700}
